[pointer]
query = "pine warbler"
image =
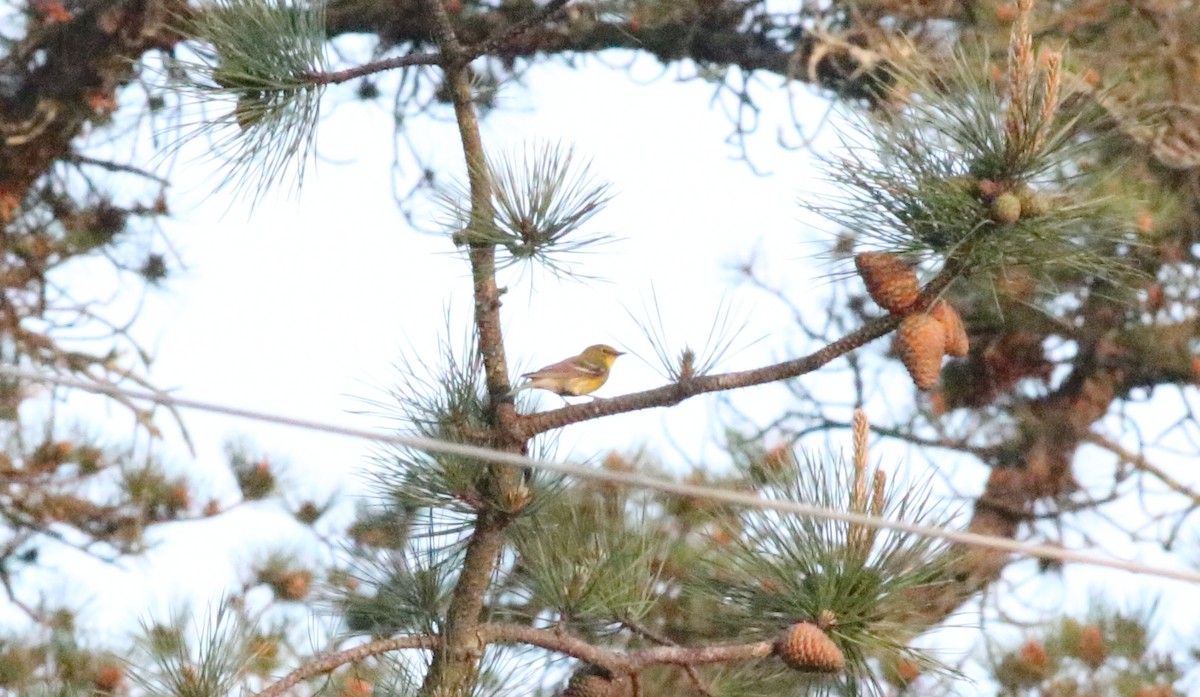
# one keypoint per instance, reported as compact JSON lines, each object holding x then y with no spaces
{"x":575,"y":376}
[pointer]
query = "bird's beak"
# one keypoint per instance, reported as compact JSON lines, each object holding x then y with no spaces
{"x":619,"y":353}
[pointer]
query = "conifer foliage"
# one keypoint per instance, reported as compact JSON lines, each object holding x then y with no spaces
{"x":985,"y":206}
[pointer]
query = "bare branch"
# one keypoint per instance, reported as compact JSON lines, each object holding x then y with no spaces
{"x":111,"y":166}
{"x":379,"y":66}
{"x":1140,"y":462}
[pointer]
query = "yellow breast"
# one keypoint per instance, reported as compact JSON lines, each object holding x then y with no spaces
{"x":573,"y":386}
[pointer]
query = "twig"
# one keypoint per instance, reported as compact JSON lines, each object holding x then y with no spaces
{"x":6,"y":579}
{"x":78,"y":159}
{"x":1140,"y":462}
{"x":983,"y":453}
{"x":45,"y":350}
{"x":379,"y":66}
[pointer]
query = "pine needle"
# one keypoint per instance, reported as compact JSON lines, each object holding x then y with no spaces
{"x":252,"y":58}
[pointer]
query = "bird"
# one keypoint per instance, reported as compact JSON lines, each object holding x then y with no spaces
{"x":575,"y":376}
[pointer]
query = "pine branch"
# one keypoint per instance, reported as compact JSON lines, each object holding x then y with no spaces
{"x":530,"y":425}
{"x":379,"y":66}
{"x":81,"y":159}
{"x":330,"y":662}
{"x":768,"y":46}
{"x":485,"y":47}
{"x":456,"y":662}
{"x":559,"y":642}
{"x":482,"y":255}
{"x":258,"y":55}
{"x":697,"y":682}
{"x":700,"y":655}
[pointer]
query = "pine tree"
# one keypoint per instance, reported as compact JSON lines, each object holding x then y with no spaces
{"x":1024,"y":210}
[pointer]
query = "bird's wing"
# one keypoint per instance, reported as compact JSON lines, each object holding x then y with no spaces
{"x":564,"y":368}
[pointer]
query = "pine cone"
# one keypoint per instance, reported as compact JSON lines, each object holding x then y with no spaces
{"x":1006,"y":209}
{"x":1091,"y":649}
{"x":957,"y":343}
{"x":890,"y":282}
{"x":108,"y":677}
{"x":906,"y":673}
{"x":1033,"y":659}
{"x":806,"y":648}
{"x":1033,"y":203}
{"x":921,"y":341}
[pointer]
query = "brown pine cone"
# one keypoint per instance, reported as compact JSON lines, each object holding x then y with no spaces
{"x":956,"y":334}
{"x":921,"y":342}
{"x":1091,"y":649}
{"x":806,"y":648}
{"x":890,"y":282}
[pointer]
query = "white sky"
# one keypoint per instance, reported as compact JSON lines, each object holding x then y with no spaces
{"x":303,"y":307}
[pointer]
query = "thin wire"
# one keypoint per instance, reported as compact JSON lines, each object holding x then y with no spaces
{"x":618,"y":477}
